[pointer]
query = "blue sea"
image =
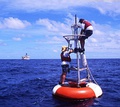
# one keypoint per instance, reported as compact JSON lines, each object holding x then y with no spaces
{"x":29,"y":83}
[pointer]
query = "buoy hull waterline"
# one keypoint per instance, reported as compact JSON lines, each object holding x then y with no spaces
{"x":91,"y":90}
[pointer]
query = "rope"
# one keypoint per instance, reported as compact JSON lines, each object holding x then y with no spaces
{"x":91,"y":75}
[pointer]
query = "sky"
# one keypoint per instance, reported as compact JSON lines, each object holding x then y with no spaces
{"x":37,"y":27}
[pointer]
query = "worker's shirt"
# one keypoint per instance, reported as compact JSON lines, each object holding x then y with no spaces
{"x":86,"y":26}
{"x":66,"y":55}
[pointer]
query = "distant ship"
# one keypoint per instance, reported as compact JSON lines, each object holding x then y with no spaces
{"x":26,"y":57}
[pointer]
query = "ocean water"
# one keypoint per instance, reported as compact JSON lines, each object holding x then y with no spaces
{"x":29,"y":83}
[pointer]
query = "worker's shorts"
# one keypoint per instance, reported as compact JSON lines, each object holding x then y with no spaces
{"x":65,"y":68}
{"x":87,"y":34}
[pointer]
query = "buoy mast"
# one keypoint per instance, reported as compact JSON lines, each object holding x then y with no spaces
{"x":75,"y":37}
{"x":76,"y":42}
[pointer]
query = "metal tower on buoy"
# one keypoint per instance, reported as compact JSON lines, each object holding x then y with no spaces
{"x":77,"y":49}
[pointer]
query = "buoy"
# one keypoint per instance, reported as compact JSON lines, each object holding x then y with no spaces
{"x":81,"y":88}
{"x":71,"y":91}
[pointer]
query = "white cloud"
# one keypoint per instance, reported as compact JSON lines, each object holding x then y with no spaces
{"x":55,"y":51}
{"x":54,"y":26}
{"x":17,"y":39}
{"x":2,"y":43}
{"x":110,"y":7}
{"x":50,"y":40}
{"x":104,"y":38}
{"x":49,"y":24}
{"x":55,"y":30}
{"x":93,"y":40}
{"x":35,"y":5}
{"x":13,"y":23}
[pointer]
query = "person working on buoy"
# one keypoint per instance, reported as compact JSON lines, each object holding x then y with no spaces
{"x":66,"y":59}
{"x":87,"y":30}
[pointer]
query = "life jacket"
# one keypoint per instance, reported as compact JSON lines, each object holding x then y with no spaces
{"x":87,"y":24}
{"x":63,"y":58}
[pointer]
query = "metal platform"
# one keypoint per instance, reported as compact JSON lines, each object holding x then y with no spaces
{"x":72,"y":37}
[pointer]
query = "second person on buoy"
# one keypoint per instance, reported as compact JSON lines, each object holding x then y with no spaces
{"x":87,"y":30}
{"x":66,"y":59}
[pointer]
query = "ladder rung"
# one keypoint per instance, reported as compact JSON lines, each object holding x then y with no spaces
{"x":81,"y":69}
